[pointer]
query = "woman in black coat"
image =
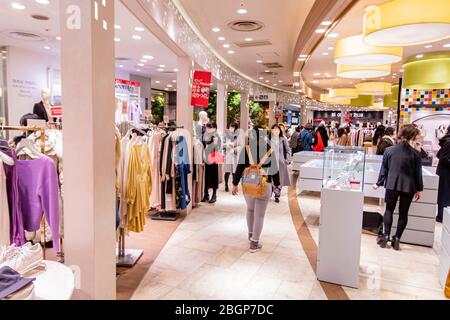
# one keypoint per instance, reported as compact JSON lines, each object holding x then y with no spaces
{"x":401,"y":176}
{"x":443,"y":171}
{"x":386,"y":142}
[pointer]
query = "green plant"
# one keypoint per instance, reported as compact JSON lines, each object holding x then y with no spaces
{"x":158,"y":108}
{"x":233,"y":107}
{"x":256,"y":113}
{"x":212,"y":106}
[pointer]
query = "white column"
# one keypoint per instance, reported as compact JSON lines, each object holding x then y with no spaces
{"x":185,"y":112}
{"x":244,"y":111}
{"x":222,"y":106}
{"x":87,"y":65}
{"x":272,"y":119}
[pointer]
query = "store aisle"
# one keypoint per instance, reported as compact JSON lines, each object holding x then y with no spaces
{"x":208,"y":258}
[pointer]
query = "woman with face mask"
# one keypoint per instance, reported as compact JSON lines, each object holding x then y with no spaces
{"x":282,"y":152}
{"x":232,"y":146}
{"x":212,"y":144}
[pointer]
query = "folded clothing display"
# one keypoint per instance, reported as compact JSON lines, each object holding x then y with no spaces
{"x":21,"y":259}
{"x":12,"y":284}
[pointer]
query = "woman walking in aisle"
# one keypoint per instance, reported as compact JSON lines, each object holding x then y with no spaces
{"x":443,"y":171}
{"x":212,"y":145}
{"x":283,"y":158}
{"x":401,"y":175}
{"x":232,"y":146}
{"x":386,"y":142}
{"x":257,"y":166}
{"x":342,"y":137}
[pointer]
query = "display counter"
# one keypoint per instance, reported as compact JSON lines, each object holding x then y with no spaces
{"x":422,"y":214}
{"x":444,"y":257}
{"x":302,"y":157}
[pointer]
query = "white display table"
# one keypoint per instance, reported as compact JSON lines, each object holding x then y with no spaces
{"x":340,"y":237}
{"x":444,"y":256}
{"x":57,"y":282}
{"x":421,"y":225}
{"x":302,"y":157}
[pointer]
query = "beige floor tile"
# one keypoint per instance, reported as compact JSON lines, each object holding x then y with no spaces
{"x":260,"y":287}
{"x":179,"y":294}
{"x":226,"y":257}
{"x":294,"y":290}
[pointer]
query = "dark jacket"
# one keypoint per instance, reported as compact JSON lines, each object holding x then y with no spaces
{"x":39,"y":110}
{"x":443,"y":171}
{"x":383,"y":144}
{"x":324,"y":135}
{"x":307,"y":139}
{"x":401,"y":169}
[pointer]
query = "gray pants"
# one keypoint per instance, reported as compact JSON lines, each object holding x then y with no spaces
{"x":256,"y":209}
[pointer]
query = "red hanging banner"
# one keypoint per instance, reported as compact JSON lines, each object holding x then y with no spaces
{"x":201,"y":88}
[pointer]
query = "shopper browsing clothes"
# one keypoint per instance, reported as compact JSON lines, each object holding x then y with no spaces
{"x":386,"y":142}
{"x":232,"y":146}
{"x":256,"y":168}
{"x":401,"y":175}
{"x":213,"y":157}
{"x":323,"y":133}
{"x":343,"y":140}
{"x":283,"y":158}
{"x":295,"y":141}
{"x":307,"y":137}
{"x":443,"y":171}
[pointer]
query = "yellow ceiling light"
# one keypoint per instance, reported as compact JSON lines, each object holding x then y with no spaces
{"x":407,"y":22}
{"x":432,"y":71}
{"x":352,"y":51}
{"x":374,"y":88}
{"x":343,"y":93}
{"x":325,"y":97}
{"x":363,"y":72}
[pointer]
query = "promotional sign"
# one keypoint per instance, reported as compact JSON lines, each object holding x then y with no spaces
{"x":56,"y":111}
{"x":127,"y":93}
{"x":201,"y":88}
{"x":264,"y":97}
{"x":362,"y":116}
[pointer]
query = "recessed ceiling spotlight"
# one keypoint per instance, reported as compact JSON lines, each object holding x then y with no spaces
{"x":58,"y":38}
{"x":230,"y":51}
{"x":43,"y":1}
{"x":303,"y":56}
{"x":174,"y":81}
{"x":315,"y":81}
{"x":215,"y":29}
{"x":175,"y":70}
{"x":162,"y":66}
{"x":382,"y":78}
{"x":333,"y":35}
{"x":121,"y":66}
{"x":280,"y":81}
{"x":221,"y":38}
{"x":261,"y":78}
{"x":138,"y":70}
{"x":136,"y":37}
{"x":267,"y":70}
{"x":259,"y":61}
{"x":327,"y":23}
{"x":330,"y":48}
{"x":141,"y":64}
{"x":117,"y":39}
{"x":157,"y":81}
{"x":116,"y":26}
{"x":316,"y":74}
{"x":321,"y":30}
{"x":401,"y":70}
{"x":296,"y":74}
{"x":351,"y":82}
{"x":147,"y":57}
{"x":226,"y":45}
{"x":267,"y":81}
{"x":301,"y":59}
{"x":160,"y":69}
{"x":47,"y":48}
{"x":169,"y":86}
{"x":275,"y":84}
{"x":166,"y":89}
{"x":242,"y":11}
{"x":248,"y":39}
{"x":428,"y":46}
{"x":296,"y":84}
{"x":447,"y":45}
{"x":143,"y":60}
{"x":419,"y":56}
{"x":325,"y":53}
{"x":17,"y":6}
{"x":139,"y":29}
{"x":394,"y":74}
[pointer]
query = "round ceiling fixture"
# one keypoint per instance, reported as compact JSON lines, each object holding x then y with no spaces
{"x":407,"y":22}
{"x":25,"y":36}
{"x":374,"y":88}
{"x":343,"y":93}
{"x":363,"y":72}
{"x":352,"y":51}
{"x":429,"y":72}
{"x":246,"y":25}
{"x":325,"y":97}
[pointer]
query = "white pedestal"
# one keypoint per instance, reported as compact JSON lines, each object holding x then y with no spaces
{"x":340,"y":237}
{"x":57,"y":282}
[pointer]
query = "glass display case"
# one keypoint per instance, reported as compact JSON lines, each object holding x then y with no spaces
{"x":343,"y":168}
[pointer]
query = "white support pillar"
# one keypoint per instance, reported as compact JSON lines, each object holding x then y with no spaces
{"x":87,"y":65}
{"x":272,"y":119}
{"x":222,"y":107}
{"x":244,"y":111}
{"x":185,"y":112}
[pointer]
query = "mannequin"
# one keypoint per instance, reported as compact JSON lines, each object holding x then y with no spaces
{"x":43,"y":108}
{"x":200,"y":128}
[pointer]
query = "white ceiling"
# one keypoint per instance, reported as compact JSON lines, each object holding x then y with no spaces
{"x":132,"y":50}
{"x":351,"y":25}
{"x":283,"y":21}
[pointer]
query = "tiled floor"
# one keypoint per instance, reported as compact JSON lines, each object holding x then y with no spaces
{"x":207,"y":258}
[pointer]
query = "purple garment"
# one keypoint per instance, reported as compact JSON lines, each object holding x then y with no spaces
{"x":15,"y":214}
{"x":38,"y":194}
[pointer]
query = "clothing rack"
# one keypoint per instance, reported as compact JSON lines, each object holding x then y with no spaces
{"x":167,"y":215}
{"x":42,"y":138}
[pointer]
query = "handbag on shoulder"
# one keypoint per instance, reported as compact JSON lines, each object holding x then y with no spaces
{"x":447,"y":286}
{"x":254,"y":179}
